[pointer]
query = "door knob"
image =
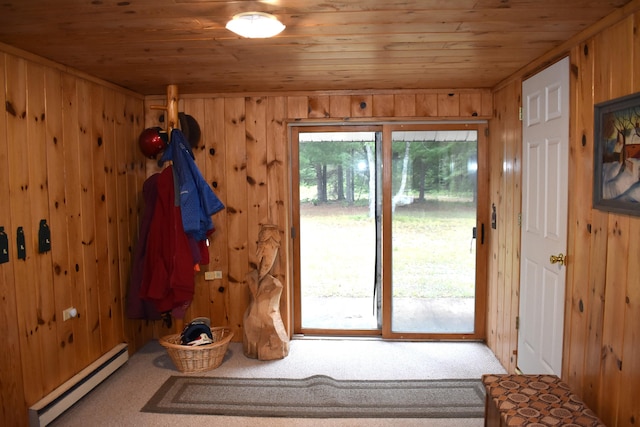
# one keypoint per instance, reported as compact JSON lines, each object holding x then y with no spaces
{"x":560,"y":258}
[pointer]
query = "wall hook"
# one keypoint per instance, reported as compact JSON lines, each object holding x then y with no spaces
{"x":44,"y":237}
{"x":20,"y":240}
{"x":4,"y":246}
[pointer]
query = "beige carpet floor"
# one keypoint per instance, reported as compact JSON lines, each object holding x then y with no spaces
{"x":118,"y":400}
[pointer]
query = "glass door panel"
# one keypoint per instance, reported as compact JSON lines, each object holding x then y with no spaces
{"x":434,"y":202}
{"x":338,"y":230}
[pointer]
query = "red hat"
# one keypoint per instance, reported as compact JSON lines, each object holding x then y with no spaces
{"x":153,"y":141}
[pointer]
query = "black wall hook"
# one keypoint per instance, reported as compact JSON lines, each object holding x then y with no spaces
{"x":4,"y":246}
{"x":22,"y":248}
{"x":44,"y":237}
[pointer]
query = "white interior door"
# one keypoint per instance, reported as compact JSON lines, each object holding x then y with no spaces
{"x":544,"y":219}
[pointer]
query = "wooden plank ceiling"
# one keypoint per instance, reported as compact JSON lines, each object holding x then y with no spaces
{"x":145,"y":45}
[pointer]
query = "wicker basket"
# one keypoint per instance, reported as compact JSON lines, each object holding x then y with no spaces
{"x":198,"y":358}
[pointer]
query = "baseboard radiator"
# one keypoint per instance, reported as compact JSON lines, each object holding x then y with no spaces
{"x":62,"y":398}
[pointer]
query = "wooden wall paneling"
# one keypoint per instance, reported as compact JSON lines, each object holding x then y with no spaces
{"x":72,"y":196}
{"x":39,"y":198}
{"x":258,"y":203}
{"x":614,"y":317}
{"x":129,"y":130}
{"x":628,"y":408}
{"x":131,"y":174}
{"x":340,"y":106}
{"x":471,"y":104}
{"x":298,"y":107}
{"x":361,"y":106}
{"x":511,"y":208}
{"x":136,"y":331}
{"x":129,"y":196}
{"x":602,"y":68}
{"x":58,"y":221}
{"x":483,"y":226}
{"x":505,"y":176}
{"x":129,"y":123}
{"x":487,"y":103}
{"x":131,"y":328}
{"x":195,"y":108}
{"x":25,"y":278}
{"x":492,"y":323}
{"x":427,"y":105}
{"x":103,"y":289}
{"x":319,"y":106}
{"x":383,"y":105}
{"x":579,"y":221}
{"x":89,"y":281}
{"x":277,"y":181}
{"x":55,"y":126}
{"x":510,"y":227}
{"x":405,"y":105}
{"x":116,"y":290}
{"x":448,"y":104}
{"x":237,"y":202}
{"x":12,"y":390}
{"x":596,"y":267}
{"x":133,"y":126}
{"x":502,"y":301}
{"x":126,"y":197}
{"x":598,"y":245}
{"x":495,"y":140}
{"x":618,"y":42}
{"x":102,"y":140}
{"x":498,"y":132}
{"x":213,"y":134}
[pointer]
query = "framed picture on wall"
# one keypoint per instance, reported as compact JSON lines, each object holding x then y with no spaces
{"x":616,"y":171}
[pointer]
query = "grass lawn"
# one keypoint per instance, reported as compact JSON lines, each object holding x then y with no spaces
{"x":433,"y":253}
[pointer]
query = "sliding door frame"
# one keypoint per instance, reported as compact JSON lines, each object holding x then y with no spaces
{"x":482,"y":244}
{"x":295,"y":222}
{"x":482,"y":224}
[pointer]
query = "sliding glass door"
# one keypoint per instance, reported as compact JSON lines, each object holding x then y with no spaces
{"x":394,"y":253}
{"x":434,"y":183}
{"x":338,"y":230}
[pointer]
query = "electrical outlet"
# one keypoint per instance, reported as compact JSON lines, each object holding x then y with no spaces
{"x":212,"y":275}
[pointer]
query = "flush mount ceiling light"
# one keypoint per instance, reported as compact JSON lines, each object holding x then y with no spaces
{"x":255,"y":25}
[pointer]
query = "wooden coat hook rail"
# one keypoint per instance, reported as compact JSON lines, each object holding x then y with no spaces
{"x":171,"y":108}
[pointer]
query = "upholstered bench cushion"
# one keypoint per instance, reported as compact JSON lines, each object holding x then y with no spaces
{"x":537,"y":401}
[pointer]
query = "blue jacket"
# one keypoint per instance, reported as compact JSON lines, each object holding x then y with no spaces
{"x":197,"y":200}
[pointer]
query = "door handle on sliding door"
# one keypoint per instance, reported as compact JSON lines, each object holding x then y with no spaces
{"x":475,"y":234}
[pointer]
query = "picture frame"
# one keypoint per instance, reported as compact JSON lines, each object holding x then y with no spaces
{"x":616,"y":165}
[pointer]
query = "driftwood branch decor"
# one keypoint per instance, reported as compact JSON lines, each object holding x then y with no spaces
{"x":265,"y":337}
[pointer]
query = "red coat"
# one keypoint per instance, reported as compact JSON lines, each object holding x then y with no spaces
{"x":168,"y":278}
